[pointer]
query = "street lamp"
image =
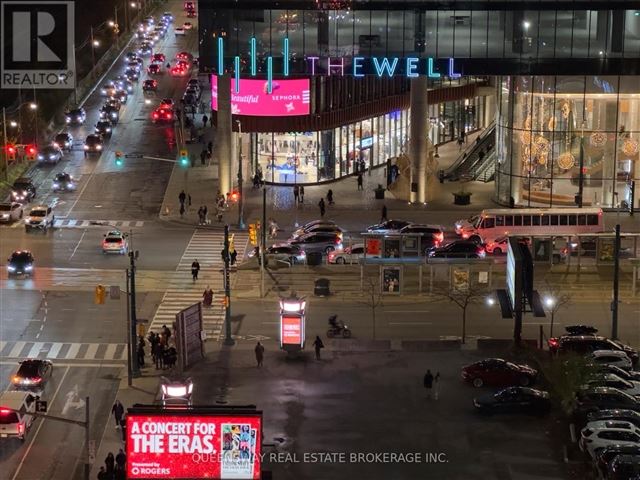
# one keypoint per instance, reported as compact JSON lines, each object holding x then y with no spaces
{"x":33,"y":106}
{"x":550,"y":302}
{"x":240,"y":180}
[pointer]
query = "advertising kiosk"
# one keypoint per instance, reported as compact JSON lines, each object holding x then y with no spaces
{"x":292,"y":324}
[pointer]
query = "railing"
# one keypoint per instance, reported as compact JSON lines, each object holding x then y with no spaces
{"x":467,"y":161}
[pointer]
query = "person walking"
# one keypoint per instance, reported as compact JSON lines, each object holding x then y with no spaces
{"x":207,"y":297}
{"x":318,"y":345}
{"x":436,"y":386}
{"x":383,"y":218}
{"x":158,"y":355}
{"x":233,"y":256}
{"x":200,"y":216}
{"x":322,"y":207}
{"x":359,"y":181}
{"x":296,"y":194}
{"x":182,"y":210}
{"x":259,"y":351}
{"x":330,"y":197}
{"x":182,"y":197}
{"x":153,"y":341}
{"x":428,"y":382}
{"x":195,"y":268}
{"x":118,"y":411}
{"x":141,"y":345}
{"x":205,"y":211}
{"x":121,"y":460}
{"x":204,"y":120}
{"x":203,"y":157}
{"x":301,"y":191}
{"x":110,"y":464}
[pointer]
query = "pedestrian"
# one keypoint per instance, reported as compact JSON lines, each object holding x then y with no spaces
{"x":118,"y":411}
{"x":384,"y":214}
{"x":182,"y":210}
{"x":296,"y":193}
{"x":121,"y":460}
{"x":301,"y":191}
{"x":203,"y":157}
{"x":141,"y":345}
{"x":233,"y":255}
{"x":166,"y":332}
{"x":210,"y":147}
{"x":322,"y":207}
{"x":207,"y":297}
{"x":259,"y":350}
{"x":110,"y":464}
{"x":204,"y":120}
{"x":200,"y":216}
{"x":195,"y":268}
{"x":428,"y":381}
{"x":153,"y":341}
{"x":330,"y":197}
{"x":217,"y":213}
{"x":436,"y":383}
{"x":205,"y":211}
{"x":318,"y":345}
{"x":359,"y":181}
{"x":182,"y":197}
{"x":158,"y":352}
{"x":123,"y":429}
{"x":460,"y":142}
{"x":102,"y":474}
{"x":189,"y":198}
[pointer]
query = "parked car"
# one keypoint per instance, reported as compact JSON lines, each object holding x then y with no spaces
{"x":320,"y":227}
{"x":20,"y":262}
{"x":498,"y":372}
{"x":621,"y":433}
{"x":10,"y":211}
{"x":23,"y":190}
{"x":319,"y":242}
{"x":40,"y":217}
{"x":630,"y":416}
{"x":624,"y":467}
{"x":583,"y":344}
{"x":604,"y":398}
{"x":16,"y":413}
{"x":630,"y":375}
{"x":63,"y":182}
{"x":349,"y":255}
{"x":77,"y":116}
{"x":514,"y":400}
{"x":388,"y":226}
{"x":605,"y":456}
{"x":612,"y":380}
{"x":33,"y":374}
{"x":458,"y":249}
{"x":290,"y":254}
{"x":92,"y":144}
{"x":64,"y":141}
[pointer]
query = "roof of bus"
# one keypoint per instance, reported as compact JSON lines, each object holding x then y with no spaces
{"x":539,"y":211}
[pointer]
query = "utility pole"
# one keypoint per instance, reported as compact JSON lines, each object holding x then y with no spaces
{"x":5,"y":147}
{"x":87,"y":441}
{"x":133,"y":334}
{"x":241,"y":224}
{"x":228,"y":340}
{"x":581,"y":164}
{"x":616,"y":286}
{"x":263,"y":238}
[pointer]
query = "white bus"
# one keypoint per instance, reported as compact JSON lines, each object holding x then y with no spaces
{"x":495,"y":223}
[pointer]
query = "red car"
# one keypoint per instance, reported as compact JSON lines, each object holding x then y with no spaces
{"x":498,"y":372}
{"x":158,"y":57}
{"x":154,"y":69}
{"x":184,"y":56}
{"x":191,"y":14}
{"x":161,"y":114}
{"x":179,"y":71}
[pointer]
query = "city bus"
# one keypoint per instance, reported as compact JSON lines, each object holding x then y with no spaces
{"x":494,"y":223}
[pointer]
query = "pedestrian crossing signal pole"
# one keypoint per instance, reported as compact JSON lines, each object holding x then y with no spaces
{"x":228,"y":340}
{"x":133,"y":334}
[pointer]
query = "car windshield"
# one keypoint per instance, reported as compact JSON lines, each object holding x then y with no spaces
{"x":8,"y":418}
{"x":20,"y":257}
{"x":28,"y":369}
{"x":22,"y":186}
{"x":5,"y":207}
{"x":38,"y":213}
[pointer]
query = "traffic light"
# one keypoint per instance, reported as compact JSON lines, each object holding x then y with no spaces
{"x":225,"y":302}
{"x":235,"y":196}
{"x":119,"y":158}
{"x":31,"y":152}
{"x":184,"y":158}
{"x":11,"y":152}
{"x":100,"y":294}
{"x":253,"y":234}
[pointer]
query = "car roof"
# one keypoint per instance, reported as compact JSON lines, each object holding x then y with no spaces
{"x":20,"y":253}
{"x":39,"y":207}
{"x":115,"y":233}
{"x":615,"y":353}
{"x":13,"y":399}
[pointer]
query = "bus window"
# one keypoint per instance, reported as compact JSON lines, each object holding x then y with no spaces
{"x":517,"y":220}
{"x":592,"y":219}
{"x":573,"y":219}
{"x":582,"y":219}
{"x":554,"y":219}
{"x":508,"y":220}
{"x":563,"y":219}
{"x":526,"y":220}
{"x":499,"y":221}
{"x":488,"y":222}
{"x":546,"y":219}
{"x":535,"y":220}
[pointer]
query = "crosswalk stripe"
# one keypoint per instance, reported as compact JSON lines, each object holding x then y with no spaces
{"x":2,"y":345}
{"x":111,"y":350}
{"x":92,"y":350}
{"x":16,"y":349}
{"x":54,"y":350}
{"x":73,"y":350}
{"x":63,"y":351}
{"x":35,"y":350}
{"x":75,"y":223}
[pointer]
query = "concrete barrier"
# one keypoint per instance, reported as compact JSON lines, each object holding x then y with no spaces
{"x":430,"y":345}
{"x":503,"y":343}
{"x":356,"y":345}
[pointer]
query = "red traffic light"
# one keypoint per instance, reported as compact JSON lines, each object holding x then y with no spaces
{"x":31,"y":150}
{"x":235,"y":196}
{"x":11,"y":149}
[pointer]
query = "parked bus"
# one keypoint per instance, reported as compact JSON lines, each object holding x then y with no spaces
{"x":494,"y":223}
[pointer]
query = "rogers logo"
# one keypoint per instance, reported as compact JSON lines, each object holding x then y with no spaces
{"x":150,"y":471}
{"x":135,"y":470}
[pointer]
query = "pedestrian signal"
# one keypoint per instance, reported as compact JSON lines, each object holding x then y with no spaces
{"x":100,"y":294}
{"x":119,"y":159}
{"x":253,"y":234}
{"x":184,"y":158}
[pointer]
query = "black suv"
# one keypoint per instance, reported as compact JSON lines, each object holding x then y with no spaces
{"x":604,"y":398}
{"x":583,"y":344}
{"x":23,"y":190}
{"x":76,"y":116}
{"x":20,"y":263}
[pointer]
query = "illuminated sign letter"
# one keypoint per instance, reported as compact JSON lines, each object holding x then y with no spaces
{"x":236,"y":72}
{"x":412,"y":65}
{"x":357,"y":66}
{"x":253,"y":57}
{"x":452,"y":73}
{"x":380,"y":68}
{"x":430,"y":71}
{"x":269,"y":75}
{"x":220,"y":56}
{"x":335,"y":65}
{"x":286,"y":57}
{"x":313,"y":64}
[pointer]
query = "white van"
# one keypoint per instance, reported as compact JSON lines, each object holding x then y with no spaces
{"x":15,"y":407}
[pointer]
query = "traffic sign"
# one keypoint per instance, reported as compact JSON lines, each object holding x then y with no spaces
{"x":114,"y":292}
{"x":133,"y":155}
{"x":41,"y":406}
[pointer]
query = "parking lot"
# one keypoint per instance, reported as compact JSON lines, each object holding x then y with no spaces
{"x":372,"y":403}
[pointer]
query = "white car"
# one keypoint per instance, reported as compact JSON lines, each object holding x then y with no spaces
{"x":613,"y":380}
{"x":179,"y":31}
{"x":10,"y":211}
{"x":610,"y":357}
{"x":40,"y":216}
{"x":349,"y":255}
{"x":14,"y":423}
{"x":592,"y":440}
{"x":115,"y":242}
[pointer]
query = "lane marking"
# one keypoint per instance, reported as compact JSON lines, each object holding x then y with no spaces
{"x":409,"y":323}
{"x":33,"y":438}
{"x":78,"y":244}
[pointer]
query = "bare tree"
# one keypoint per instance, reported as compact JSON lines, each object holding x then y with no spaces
{"x":463,"y":298}
{"x":372,"y":299}
{"x":554,"y":300}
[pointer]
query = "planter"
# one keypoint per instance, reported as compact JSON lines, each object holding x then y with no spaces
{"x":379,"y":192}
{"x":462,"y":198}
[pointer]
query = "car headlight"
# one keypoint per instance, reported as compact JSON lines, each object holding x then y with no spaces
{"x":56,"y":185}
{"x":28,"y":268}
{"x":108,"y":129}
{"x":11,"y":268}
{"x":51,"y":157}
{"x":24,"y":192}
{"x":98,"y":147}
{"x":68,"y":120}
{"x":5,"y":215}
{"x":86,"y":147}
{"x":69,"y":185}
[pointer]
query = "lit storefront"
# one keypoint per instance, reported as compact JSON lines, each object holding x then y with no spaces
{"x":559,"y":136}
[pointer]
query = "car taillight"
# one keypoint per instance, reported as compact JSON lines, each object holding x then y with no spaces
{"x":5,"y":411}
{"x":439,"y":237}
{"x":155,"y":115}
{"x":553,"y":342}
{"x":338,"y":241}
{"x":167,"y":116}
{"x":20,"y":429}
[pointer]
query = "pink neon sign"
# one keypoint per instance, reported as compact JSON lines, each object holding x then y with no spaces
{"x":288,"y":98}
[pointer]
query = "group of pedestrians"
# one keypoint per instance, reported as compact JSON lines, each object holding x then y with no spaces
{"x":202,"y":215}
{"x":163,"y":351}
{"x":298,"y":194}
{"x":115,"y":467}
{"x":323,"y":206}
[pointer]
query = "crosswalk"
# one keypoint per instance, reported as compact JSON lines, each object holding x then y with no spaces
{"x":72,"y":223}
{"x":206,"y":247}
{"x":63,"y":350}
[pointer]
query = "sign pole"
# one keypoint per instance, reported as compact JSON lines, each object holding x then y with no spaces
{"x":263,"y":236}
{"x":87,"y":419}
{"x":135,"y":368}
{"x":616,"y":285}
{"x":228,"y":340}
{"x":128,"y":329}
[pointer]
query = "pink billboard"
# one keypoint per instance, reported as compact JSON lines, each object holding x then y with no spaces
{"x":288,"y":97}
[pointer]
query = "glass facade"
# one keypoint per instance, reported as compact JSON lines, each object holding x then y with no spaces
{"x":555,"y":134}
